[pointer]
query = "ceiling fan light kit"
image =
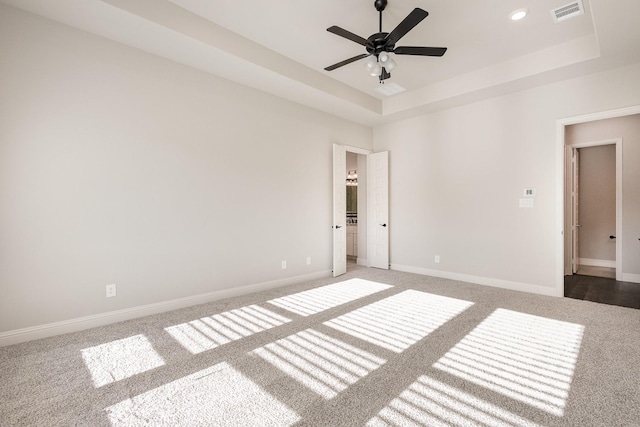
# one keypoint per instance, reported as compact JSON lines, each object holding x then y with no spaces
{"x":386,"y":61}
{"x":373,"y":67}
{"x":381,"y":44}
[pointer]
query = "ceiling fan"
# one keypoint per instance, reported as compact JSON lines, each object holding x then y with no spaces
{"x":380,"y":44}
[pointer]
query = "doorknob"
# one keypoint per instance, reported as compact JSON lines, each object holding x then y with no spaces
{"x":338,"y":226}
{"x":612,"y":237}
{"x":384,"y":225}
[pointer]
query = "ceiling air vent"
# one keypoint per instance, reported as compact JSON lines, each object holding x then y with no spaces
{"x":568,"y":11}
{"x":390,"y":89}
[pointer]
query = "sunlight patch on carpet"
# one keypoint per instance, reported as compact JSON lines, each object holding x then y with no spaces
{"x":323,"y":298}
{"x":219,"y":395}
{"x":525,"y":357}
{"x":325,"y":365}
{"x":120,"y":359}
{"x":429,"y":402}
{"x":399,"y":321}
{"x":210,"y":332}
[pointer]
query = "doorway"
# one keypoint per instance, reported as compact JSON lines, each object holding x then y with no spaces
{"x":365,"y":237}
{"x":595,"y":207}
{"x":356,"y":219}
{"x":625,"y":123}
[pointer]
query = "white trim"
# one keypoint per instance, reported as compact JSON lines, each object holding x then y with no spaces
{"x":560,"y":180}
{"x":597,"y":262}
{"x":628,"y":277}
{"x":73,"y":325}
{"x":485,"y":281}
{"x":595,"y":143}
{"x":560,"y":201}
{"x":357,"y":150}
{"x":621,"y":112}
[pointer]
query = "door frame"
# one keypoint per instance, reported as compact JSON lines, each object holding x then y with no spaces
{"x":618,"y":147}
{"x":361,"y":227}
{"x":560,"y":180}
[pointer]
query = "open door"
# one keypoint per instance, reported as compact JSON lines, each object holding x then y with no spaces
{"x":378,"y":208}
{"x":575,"y":227}
{"x":339,"y":210}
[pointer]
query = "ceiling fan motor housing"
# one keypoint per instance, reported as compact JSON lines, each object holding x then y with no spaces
{"x":377,"y":43}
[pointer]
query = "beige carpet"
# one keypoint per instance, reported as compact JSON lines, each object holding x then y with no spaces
{"x":373,"y":348}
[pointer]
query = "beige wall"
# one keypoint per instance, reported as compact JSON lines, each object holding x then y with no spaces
{"x":352,"y":161}
{"x":627,"y":128}
{"x":456,"y":177}
{"x":117,"y":166}
{"x":597,"y":203}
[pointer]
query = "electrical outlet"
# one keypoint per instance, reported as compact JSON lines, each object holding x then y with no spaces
{"x":308,"y":260}
{"x":284,"y":265}
{"x":437,"y":259}
{"x":111,"y":290}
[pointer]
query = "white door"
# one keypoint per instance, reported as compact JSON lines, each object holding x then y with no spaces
{"x":378,"y":209}
{"x":339,"y":210}
{"x":575,"y":226}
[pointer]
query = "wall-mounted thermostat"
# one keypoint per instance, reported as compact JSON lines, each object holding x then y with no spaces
{"x":529,"y":192}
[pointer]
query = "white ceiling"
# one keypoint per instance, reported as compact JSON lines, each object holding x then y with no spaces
{"x":282,"y":46}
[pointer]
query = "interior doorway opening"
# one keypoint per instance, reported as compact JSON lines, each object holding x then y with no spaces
{"x":354,"y":172}
{"x":594,"y":208}
{"x":625,"y":123}
{"x":369,"y":231}
{"x":350,"y":201}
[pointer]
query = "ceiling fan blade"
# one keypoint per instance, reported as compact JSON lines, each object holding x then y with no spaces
{"x":346,"y":61}
{"x":347,"y":35}
{"x":414,"y":18}
{"x":423,"y":51}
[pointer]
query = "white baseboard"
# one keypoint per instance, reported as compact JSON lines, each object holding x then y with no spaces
{"x":498,"y":283}
{"x":597,"y":262}
{"x":628,"y":277}
{"x":73,"y":325}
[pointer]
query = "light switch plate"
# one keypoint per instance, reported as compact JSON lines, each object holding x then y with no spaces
{"x":526,"y":203}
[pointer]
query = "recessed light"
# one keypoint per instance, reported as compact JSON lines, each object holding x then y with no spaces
{"x":517,"y":15}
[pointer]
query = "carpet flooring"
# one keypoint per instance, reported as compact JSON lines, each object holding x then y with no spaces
{"x":370,"y":348}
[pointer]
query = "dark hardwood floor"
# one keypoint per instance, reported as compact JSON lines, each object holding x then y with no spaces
{"x":602,"y":290}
